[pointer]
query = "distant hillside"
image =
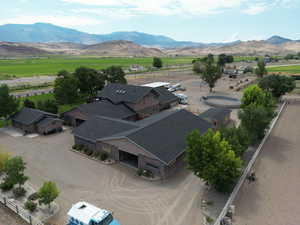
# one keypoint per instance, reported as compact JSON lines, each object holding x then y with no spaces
{"x":277,"y":40}
{"x":16,"y":49}
{"x":121,"y":48}
{"x":45,"y":33}
{"x":248,"y":48}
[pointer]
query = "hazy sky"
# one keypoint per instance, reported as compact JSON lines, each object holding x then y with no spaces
{"x":192,"y":20}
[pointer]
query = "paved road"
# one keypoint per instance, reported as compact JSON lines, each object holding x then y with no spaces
{"x":274,"y":198}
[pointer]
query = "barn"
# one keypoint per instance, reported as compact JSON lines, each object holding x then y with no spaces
{"x":156,"y":143}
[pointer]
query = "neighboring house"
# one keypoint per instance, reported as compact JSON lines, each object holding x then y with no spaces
{"x":156,"y":143}
{"x":145,"y":101}
{"x":217,"y":116}
{"x":83,"y":213}
{"x":36,"y":121}
{"x":77,"y":116}
{"x":136,"y":68}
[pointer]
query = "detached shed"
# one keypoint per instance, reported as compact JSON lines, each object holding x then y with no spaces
{"x":217,"y":116}
{"x":36,"y":121}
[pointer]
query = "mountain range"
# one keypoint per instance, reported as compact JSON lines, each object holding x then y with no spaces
{"x":45,"y":33}
{"x":43,"y":38}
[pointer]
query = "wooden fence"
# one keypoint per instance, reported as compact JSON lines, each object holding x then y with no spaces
{"x":19,"y":210}
{"x":221,"y":219}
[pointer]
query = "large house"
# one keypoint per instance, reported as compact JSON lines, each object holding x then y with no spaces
{"x":156,"y":143}
{"x":125,"y":102}
{"x":145,"y":101}
{"x":36,"y":121}
{"x":77,"y":116}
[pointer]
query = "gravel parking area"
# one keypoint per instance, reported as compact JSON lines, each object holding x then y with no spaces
{"x":274,"y":198}
{"x":133,"y":200}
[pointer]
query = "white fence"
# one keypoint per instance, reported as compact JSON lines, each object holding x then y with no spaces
{"x":20,"y":211}
{"x":246,"y":172}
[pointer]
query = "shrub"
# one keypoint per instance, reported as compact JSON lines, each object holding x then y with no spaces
{"x":103,"y":156}
{"x":147,"y":173}
{"x":19,"y":192}
{"x":34,"y":196}
{"x":6,"y":186}
{"x":139,"y":172}
{"x":88,"y":151}
{"x":30,"y":206}
{"x":96,"y":155}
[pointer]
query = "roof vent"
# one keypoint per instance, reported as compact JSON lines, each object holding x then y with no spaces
{"x":82,"y":207}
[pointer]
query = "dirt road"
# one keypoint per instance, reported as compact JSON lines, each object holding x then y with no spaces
{"x":274,"y":198}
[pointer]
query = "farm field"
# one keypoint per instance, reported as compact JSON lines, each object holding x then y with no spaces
{"x":295,"y":69}
{"x":51,"y":65}
{"x":14,"y":68}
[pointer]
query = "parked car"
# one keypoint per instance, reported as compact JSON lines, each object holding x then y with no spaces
{"x":183,"y":99}
{"x":83,"y":213}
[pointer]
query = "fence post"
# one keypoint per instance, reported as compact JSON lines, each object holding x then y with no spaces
{"x":4,"y":200}
{"x":30,"y":220}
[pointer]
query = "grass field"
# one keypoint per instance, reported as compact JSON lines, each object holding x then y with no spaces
{"x":11,"y":68}
{"x":43,"y":97}
{"x":285,"y":69}
{"x":51,"y":65}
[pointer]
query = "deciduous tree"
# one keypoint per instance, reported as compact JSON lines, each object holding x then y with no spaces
{"x":209,"y":71}
{"x":212,"y":159}
{"x":238,"y":138}
{"x":65,"y":88}
{"x":89,"y":81}
{"x":115,"y":74}
{"x":255,"y":119}
{"x":157,"y":62}
{"x":48,"y":193}
{"x":14,"y":171}
{"x":261,"y":70}
{"x":8,"y":103}
{"x":278,"y":85}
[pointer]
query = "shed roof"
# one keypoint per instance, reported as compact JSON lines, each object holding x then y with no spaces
{"x":215,"y":113}
{"x":28,"y":116}
{"x":107,"y":109}
{"x":97,"y":127}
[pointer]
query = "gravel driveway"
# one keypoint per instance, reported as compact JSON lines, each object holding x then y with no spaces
{"x":134,"y":201}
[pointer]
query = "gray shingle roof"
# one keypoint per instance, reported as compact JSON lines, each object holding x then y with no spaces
{"x":107,"y":109}
{"x":163,"y":135}
{"x":118,"y":93}
{"x":28,"y":116}
{"x":97,"y":127}
{"x":215,"y":113}
{"x":166,"y":137}
{"x":165,"y":96}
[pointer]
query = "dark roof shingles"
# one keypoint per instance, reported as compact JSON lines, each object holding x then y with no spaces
{"x":28,"y":116}
{"x":118,"y":93}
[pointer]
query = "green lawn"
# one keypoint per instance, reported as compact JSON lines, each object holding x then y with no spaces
{"x":51,"y":65}
{"x":43,"y":97}
{"x":285,"y":69}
